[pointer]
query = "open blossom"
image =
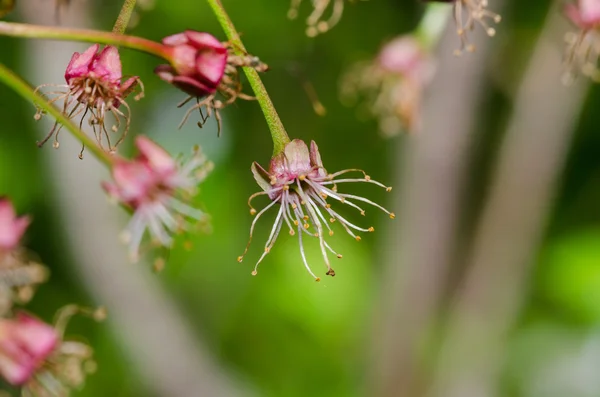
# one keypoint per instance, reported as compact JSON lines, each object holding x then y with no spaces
{"x":392,"y":84}
{"x":95,"y":89}
{"x":583,"y":48}
{"x":299,"y":187}
{"x":203,"y":67}
{"x":156,"y":187}
{"x":35,"y":356}
{"x":315,"y":22}
{"x":468,"y":14}
{"x":18,"y":274}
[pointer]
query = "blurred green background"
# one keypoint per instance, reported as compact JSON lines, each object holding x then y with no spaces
{"x":281,"y":332}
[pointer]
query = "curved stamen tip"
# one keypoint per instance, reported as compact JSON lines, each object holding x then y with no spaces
{"x":252,"y":211}
{"x":392,"y":215}
{"x":371,"y":229}
{"x":357,"y":238}
{"x":339,"y":256}
{"x":330,"y":272}
{"x":388,"y":189}
{"x":240,"y":259}
{"x":318,"y":279}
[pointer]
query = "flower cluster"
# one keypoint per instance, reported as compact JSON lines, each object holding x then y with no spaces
{"x":392,"y":85}
{"x":33,"y":354}
{"x":468,"y":14}
{"x":19,"y":275}
{"x":95,"y":89}
{"x":299,"y":184}
{"x":205,"y":68}
{"x":156,"y":187}
{"x":583,"y":48}
{"x":315,"y":23}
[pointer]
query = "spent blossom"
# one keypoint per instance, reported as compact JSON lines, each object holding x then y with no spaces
{"x":35,"y":356}
{"x":468,"y":14}
{"x":207,"y":70}
{"x":392,"y":84}
{"x":95,"y":88}
{"x":583,"y":48}
{"x":157,"y":188}
{"x":19,"y":275}
{"x":299,"y":186}
{"x":315,"y":22}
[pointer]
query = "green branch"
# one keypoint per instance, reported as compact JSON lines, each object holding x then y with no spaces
{"x":26,"y":91}
{"x":124,"y":17}
{"x":92,"y":36}
{"x":278,"y":133}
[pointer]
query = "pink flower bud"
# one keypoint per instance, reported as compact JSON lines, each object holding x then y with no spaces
{"x":198,"y":62}
{"x":586,"y":14}
{"x":12,"y":227}
{"x":25,"y":343}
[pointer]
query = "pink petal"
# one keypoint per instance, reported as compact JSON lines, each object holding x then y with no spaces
{"x":210,"y":66}
{"x":12,"y":227}
{"x":108,"y":64}
{"x":175,"y":40}
{"x":203,"y":40}
{"x":157,"y":158}
{"x":80,"y":63}
{"x":298,"y":158}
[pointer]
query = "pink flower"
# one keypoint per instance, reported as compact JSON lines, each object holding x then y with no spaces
{"x":25,"y":343}
{"x":583,"y":48}
{"x":150,"y":185}
{"x":202,"y":67}
{"x":586,"y":14}
{"x":468,"y":14}
{"x":95,"y":88}
{"x":300,"y":185}
{"x":315,"y":23}
{"x":12,"y":227}
{"x":392,"y":84}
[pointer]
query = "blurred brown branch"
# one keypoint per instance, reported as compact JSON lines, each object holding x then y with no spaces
{"x":422,"y":243}
{"x":512,"y":224}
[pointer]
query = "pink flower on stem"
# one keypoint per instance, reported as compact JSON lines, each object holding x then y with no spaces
{"x":392,"y":84}
{"x":35,"y":356}
{"x":18,"y":274}
{"x":12,"y":227}
{"x":156,"y":187}
{"x":315,"y":23}
{"x":95,"y":88}
{"x":299,"y":185}
{"x":583,"y":48}
{"x":25,"y":343}
{"x":468,"y":14}
{"x":202,"y":67}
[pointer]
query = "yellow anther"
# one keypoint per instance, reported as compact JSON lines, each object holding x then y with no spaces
{"x":303,"y":202}
{"x":292,"y":232}
{"x":324,"y":196}
{"x":316,"y":234}
{"x":306,"y":225}
{"x":388,"y":189}
{"x":327,"y":205}
{"x":339,"y":256}
{"x":267,"y":249}
{"x":357,"y":238}
{"x":286,"y":187}
{"x":296,"y":222}
{"x":302,"y":177}
{"x":331,"y":232}
{"x":305,"y":217}
{"x":318,"y":279}
{"x":362,"y":213}
{"x":240,"y":258}
{"x":252,"y":211}
{"x":294,"y":206}
{"x":254,"y":272}
{"x":367,"y":178}
{"x":393,"y":216}
{"x":331,"y":220}
{"x":371,"y":229}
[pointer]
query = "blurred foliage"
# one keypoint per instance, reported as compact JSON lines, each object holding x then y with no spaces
{"x":280,"y":330}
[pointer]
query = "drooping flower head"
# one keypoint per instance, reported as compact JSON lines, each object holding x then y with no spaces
{"x":19,"y":275}
{"x":95,"y":89}
{"x":583,"y":48}
{"x":156,"y":187}
{"x":392,"y":84}
{"x":315,"y":22}
{"x":204,"y":68}
{"x":468,"y":14}
{"x":35,"y":356}
{"x":299,"y":186}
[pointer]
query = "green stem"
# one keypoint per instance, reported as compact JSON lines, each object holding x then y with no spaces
{"x":92,"y":36}
{"x":124,"y":17}
{"x":26,"y":91}
{"x":278,"y":133}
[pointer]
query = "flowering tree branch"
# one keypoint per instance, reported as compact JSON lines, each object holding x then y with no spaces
{"x":87,"y":35}
{"x":26,"y":91}
{"x":278,"y":133}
